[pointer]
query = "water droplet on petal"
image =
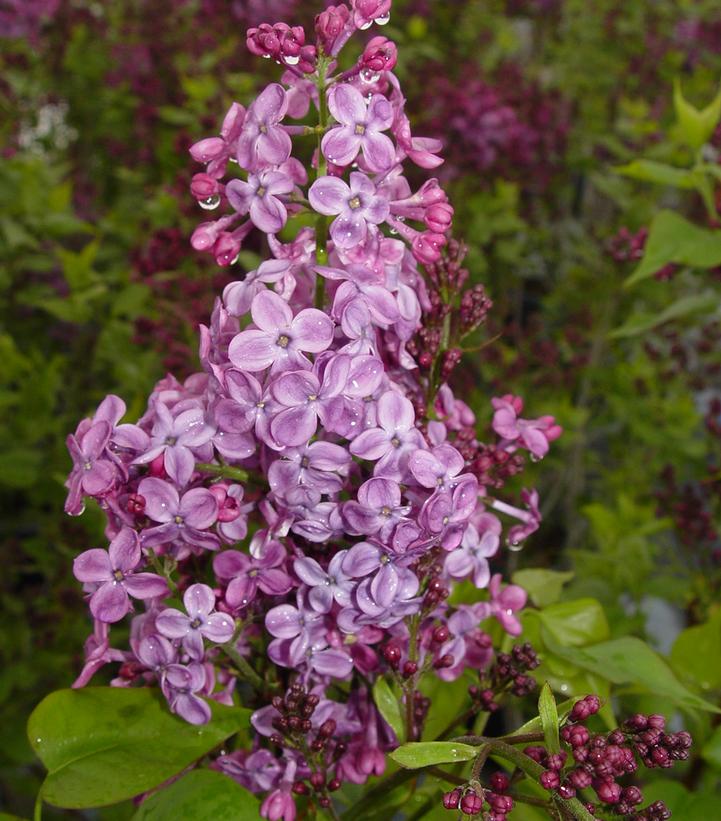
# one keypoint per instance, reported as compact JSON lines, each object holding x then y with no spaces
{"x":210,"y":203}
{"x":383,"y":19}
{"x":367,"y":75}
{"x":535,"y":458}
{"x":514,"y":545}
{"x":366,"y":25}
{"x":291,"y":60}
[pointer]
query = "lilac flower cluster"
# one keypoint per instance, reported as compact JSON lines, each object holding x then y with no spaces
{"x":304,"y":494}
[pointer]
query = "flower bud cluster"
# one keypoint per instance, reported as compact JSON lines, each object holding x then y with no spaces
{"x":474,"y":800}
{"x":508,"y":674}
{"x":600,"y":759}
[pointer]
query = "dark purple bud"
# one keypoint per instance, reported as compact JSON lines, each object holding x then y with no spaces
{"x":549,"y":780}
{"x":452,"y":799}
{"x":471,"y":804}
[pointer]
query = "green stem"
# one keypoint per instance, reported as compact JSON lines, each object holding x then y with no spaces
{"x":38,"y":812}
{"x":243,"y":667}
{"x":522,"y":738}
{"x":224,"y":471}
{"x":321,"y":222}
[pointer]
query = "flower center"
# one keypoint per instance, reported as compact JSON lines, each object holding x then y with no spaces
{"x":195,"y":624}
{"x":312,"y":397}
{"x":171,"y":440}
{"x":88,"y":466}
{"x":385,"y":511}
{"x":385,"y":558}
{"x":282,"y":341}
{"x":354,"y":203}
{"x":396,"y":442}
{"x":118,"y":575}
{"x":263,"y":129}
{"x":304,"y":462}
{"x":260,"y":192}
{"x":178,"y":520}
{"x":360,"y":129}
{"x":260,"y":405}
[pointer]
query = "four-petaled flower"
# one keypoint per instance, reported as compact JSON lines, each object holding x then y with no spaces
{"x":200,"y":621}
{"x":187,"y":518}
{"x":356,"y":205}
{"x":113,"y":573}
{"x":359,"y":130}
{"x":263,"y":141}
{"x":258,"y":197}
{"x":281,"y":338}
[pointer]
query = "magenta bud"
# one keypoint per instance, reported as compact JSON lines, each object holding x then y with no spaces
{"x":438,"y":217}
{"x":452,"y":799}
{"x":471,"y":804}
{"x":226,"y":249}
{"x":380,"y":54}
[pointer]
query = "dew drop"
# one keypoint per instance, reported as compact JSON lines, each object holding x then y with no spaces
{"x":393,"y":231}
{"x":367,"y":75}
{"x":535,"y":458}
{"x":366,"y":25}
{"x":514,"y":545}
{"x":291,"y":59}
{"x":38,"y":741}
{"x":210,"y":203}
{"x":383,"y":20}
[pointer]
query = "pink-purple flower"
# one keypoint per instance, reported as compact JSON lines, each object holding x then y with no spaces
{"x":357,"y":206}
{"x":200,"y":621}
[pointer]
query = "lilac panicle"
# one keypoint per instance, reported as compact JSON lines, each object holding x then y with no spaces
{"x":314,"y":492}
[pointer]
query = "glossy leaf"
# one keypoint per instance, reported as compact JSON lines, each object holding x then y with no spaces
{"x":696,"y":654}
{"x":102,"y":745}
{"x":575,"y":623}
{"x":203,"y":795}
{"x":427,"y":753}
{"x":681,"y":308}
{"x":388,"y":706}
{"x":548,"y":713}
{"x":543,"y":586}
{"x":672,"y":238}
{"x":660,"y":173}
{"x":629,"y":660}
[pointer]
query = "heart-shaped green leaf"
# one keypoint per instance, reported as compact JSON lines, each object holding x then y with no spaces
{"x":102,"y":745}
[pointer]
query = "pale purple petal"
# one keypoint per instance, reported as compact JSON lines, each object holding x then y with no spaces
{"x":179,"y":464}
{"x":240,"y":195}
{"x":371,"y":444}
{"x":378,"y":151}
{"x":283,"y":622}
{"x":124,"y":550}
{"x":294,"y":388}
{"x":332,"y":663}
{"x":192,"y":708}
{"x":274,"y":146}
{"x":253,"y":350}
{"x":198,"y":600}
{"x":347,"y":105}
{"x":312,"y":330}
{"x":340,"y":146}
{"x":270,"y":312}
{"x":294,"y":426}
{"x":395,"y":412}
{"x":348,"y":230}
{"x":172,"y":623}
{"x":268,"y":213}
{"x":95,"y":440}
{"x":361,"y":560}
{"x":218,"y":627}
{"x":93,"y":566}
{"x":329,"y":195}
{"x":109,"y":603}
{"x":99,"y":478}
{"x":199,"y":508}
{"x":161,"y":499}
{"x":309,"y":571}
{"x":146,"y":585}
{"x":230,"y":563}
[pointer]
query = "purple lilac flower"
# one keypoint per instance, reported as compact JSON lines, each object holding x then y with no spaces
{"x":247,"y":407}
{"x":92,"y":474}
{"x":326,"y":586}
{"x":175,"y":438}
{"x":180,"y":685}
{"x":258,"y":197}
{"x":247,"y":574}
{"x":357,"y":206}
{"x":319,"y":465}
{"x":216,"y":151}
{"x":200,"y":621}
{"x":378,"y":509}
{"x":280,"y":338}
{"x":395,"y":438}
{"x":263,"y":141}
{"x":532,"y":434}
{"x":360,"y":129}
{"x":471,"y":558}
{"x":112,"y":571}
{"x":307,"y":398}
{"x":505,"y":602}
{"x":436,"y":468}
{"x":186,"y":519}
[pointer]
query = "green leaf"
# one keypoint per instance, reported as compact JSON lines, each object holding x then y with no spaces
{"x":711,"y":751}
{"x":694,"y":126}
{"x":102,"y":745}
{"x":671,"y":238}
{"x":575,"y":623}
{"x":426,"y":753}
{"x":535,"y":724}
{"x":203,"y":795}
{"x":388,"y":706}
{"x":543,"y":586}
{"x":696,"y":654}
{"x":686,"y":306}
{"x":651,"y":171}
{"x":684,"y":805}
{"x":629,"y":660}
{"x":548,"y":713}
